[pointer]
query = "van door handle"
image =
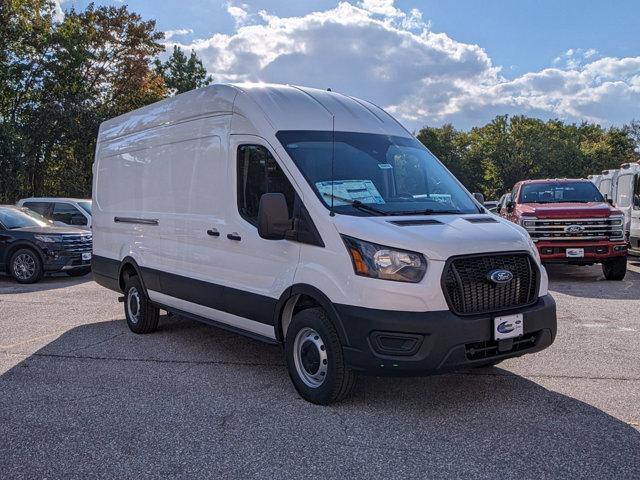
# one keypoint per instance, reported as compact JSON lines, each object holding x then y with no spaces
{"x":234,"y":236}
{"x":213,"y":232}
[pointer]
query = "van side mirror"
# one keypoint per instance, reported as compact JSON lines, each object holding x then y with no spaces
{"x":608,"y":199}
{"x":273,"y":217}
{"x":479,"y":198}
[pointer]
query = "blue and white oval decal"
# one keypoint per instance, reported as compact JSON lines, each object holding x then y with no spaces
{"x":500,"y":276}
{"x":506,"y":327}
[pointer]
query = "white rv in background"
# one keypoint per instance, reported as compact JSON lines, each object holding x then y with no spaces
{"x":605,"y":184}
{"x":627,"y":199}
{"x":313,"y":220}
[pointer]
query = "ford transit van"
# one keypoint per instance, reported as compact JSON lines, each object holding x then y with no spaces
{"x":313,"y":220}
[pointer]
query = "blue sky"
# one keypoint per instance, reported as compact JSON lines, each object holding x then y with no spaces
{"x":473,"y":59}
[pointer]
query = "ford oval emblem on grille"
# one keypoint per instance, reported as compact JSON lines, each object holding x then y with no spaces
{"x":500,"y":276}
{"x":574,"y":229}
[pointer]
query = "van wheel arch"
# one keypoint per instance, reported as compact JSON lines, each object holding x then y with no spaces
{"x":300,"y":297}
{"x":129,"y":268}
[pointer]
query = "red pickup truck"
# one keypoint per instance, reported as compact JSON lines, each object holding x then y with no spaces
{"x":570,"y":222}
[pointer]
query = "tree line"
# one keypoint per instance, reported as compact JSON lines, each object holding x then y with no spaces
{"x":61,"y":78}
{"x":492,"y":158}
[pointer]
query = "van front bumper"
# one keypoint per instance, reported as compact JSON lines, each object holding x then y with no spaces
{"x":385,"y":342}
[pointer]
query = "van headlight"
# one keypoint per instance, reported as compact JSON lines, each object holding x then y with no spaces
{"x":534,"y":250}
{"x":386,"y":263}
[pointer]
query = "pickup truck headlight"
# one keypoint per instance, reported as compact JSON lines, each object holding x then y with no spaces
{"x":386,"y":263}
{"x":527,"y":222}
{"x":616,"y":220}
{"x":47,"y":238}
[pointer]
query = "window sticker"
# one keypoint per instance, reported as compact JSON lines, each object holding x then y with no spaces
{"x":385,"y":166}
{"x":344,"y":191}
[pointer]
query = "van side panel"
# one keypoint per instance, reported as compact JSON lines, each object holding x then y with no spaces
{"x":154,"y":192}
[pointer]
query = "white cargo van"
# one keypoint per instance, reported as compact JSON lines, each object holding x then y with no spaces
{"x":627,"y":199}
{"x":314,"y":220}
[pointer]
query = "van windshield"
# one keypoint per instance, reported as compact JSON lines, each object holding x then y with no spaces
{"x":375,"y":174}
{"x":559,"y":192}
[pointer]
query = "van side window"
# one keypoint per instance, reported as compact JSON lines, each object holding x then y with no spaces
{"x":636,"y":194}
{"x":258,"y":173}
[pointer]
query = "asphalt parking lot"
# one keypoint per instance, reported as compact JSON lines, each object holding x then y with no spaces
{"x":82,"y":397}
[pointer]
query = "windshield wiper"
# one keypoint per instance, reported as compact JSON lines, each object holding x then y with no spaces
{"x":357,"y":204}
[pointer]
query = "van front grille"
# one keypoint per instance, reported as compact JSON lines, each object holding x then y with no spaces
{"x":469,"y":290}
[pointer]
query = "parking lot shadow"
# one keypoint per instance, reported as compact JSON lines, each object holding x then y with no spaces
{"x":193,"y":401}
{"x":588,"y":282}
{"x":49,"y":282}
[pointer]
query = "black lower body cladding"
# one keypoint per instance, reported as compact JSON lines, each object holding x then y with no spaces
{"x":385,"y":342}
{"x":377,"y":342}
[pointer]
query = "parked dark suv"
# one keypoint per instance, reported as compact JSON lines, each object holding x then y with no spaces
{"x":30,"y":246}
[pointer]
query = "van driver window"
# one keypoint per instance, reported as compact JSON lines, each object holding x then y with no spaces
{"x":636,"y":194}
{"x":258,"y":173}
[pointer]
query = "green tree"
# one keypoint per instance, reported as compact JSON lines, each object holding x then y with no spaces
{"x":60,"y":81}
{"x":492,"y":158}
{"x":182,"y":74}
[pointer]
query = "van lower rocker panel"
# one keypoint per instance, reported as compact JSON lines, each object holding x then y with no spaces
{"x":238,"y":324}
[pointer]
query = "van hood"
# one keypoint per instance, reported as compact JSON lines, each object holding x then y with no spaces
{"x":566,"y":210}
{"x":438,"y":236}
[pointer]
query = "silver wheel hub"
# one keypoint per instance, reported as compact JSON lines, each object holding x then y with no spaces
{"x":133,"y":305}
{"x":310,"y":357}
{"x":24,"y":266}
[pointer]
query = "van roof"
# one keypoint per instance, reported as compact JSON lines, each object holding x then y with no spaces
{"x":286,"y":107}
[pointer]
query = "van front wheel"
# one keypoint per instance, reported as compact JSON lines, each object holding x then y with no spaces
{"x":142,"y":316}
{"x":314,"y":358}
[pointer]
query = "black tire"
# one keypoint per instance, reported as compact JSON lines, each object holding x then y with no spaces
{"x":25,"y":266}
{"x":615,"y":269}
{"x":312,"y":341}
{"x":78,"y":272}
{"x":142,"y":316}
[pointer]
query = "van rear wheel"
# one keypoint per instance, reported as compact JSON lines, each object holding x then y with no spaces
{"x":615,"y":269}
{"x":141,"y":315}
{"x":314,"y":358}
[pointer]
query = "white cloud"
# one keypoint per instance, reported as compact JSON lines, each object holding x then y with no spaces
{"x":376,"y":51}
{"x":58,"y":13}
{"x":239,"y":14}
{"x":169,"y":34}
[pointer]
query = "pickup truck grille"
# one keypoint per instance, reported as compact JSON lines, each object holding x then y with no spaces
{"x":77,"y":243}
{"x":469,"y":291}
{"x":574,"y":229}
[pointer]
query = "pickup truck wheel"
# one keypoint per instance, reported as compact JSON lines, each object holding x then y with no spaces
{"x":25,"y":266}
{"x":141,"y":315}
{"x":314,"y":358}
{"x":615,"y":269}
